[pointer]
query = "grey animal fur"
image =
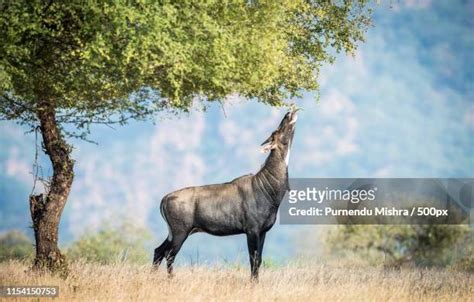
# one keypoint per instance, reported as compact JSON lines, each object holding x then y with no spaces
{"x":246,"y":205}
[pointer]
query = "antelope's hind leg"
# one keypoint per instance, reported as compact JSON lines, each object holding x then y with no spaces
{"x":160,"y":253}
{"x":175,"y":245}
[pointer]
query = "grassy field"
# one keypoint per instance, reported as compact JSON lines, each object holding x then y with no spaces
{"x":90,"y":282}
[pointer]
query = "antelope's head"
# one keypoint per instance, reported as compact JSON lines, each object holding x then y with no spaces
{"x":282,"y":137}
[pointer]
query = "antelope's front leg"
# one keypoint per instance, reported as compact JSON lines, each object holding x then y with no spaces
{"x":255,"y":256}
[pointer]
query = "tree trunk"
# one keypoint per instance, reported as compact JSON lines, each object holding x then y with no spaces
{"x":46,"y":211}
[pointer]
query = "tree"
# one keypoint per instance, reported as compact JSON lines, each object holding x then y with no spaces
{"x":85,"y":62}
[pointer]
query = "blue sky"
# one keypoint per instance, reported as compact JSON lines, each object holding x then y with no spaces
{"x":403,"y":106}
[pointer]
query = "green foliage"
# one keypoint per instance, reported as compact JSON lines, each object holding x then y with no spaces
{"x":462,"y":255}
{"x":269,"y":263}
{"x":108,"y":61}
{"x":15,"y":245}
{"x":395,"y":245}
{"x":112,"y":245}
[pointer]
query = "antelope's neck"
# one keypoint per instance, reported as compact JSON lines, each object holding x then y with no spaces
{"x":273,"y":177}
{"x":287,"y":157}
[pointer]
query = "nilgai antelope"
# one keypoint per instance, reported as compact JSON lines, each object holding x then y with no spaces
{"x":246,"y":205}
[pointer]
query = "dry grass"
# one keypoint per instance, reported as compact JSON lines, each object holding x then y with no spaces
{"x":89,"y":282}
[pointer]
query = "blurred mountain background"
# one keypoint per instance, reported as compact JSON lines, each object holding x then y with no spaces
{"x":403,"y":106}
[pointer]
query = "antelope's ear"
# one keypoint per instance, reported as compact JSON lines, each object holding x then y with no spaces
{"x":268,"y":144}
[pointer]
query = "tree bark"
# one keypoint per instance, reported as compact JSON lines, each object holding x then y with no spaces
{"x":46,"y":211}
